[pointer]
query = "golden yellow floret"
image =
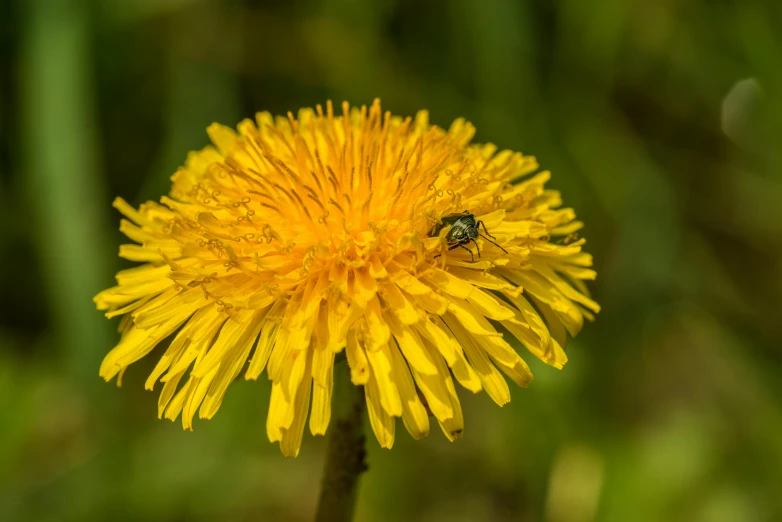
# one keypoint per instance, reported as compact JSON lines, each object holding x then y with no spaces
{"x":293,"y":239}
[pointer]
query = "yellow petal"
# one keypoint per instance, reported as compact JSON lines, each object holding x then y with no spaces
{"x":490,"y":377}
{"x":139,"y":253}
{"x":492,"y":219}
{"x":469,"y":317}
{"x":224,"y":138}
{"x":489,"y":306}
{"x":128,"y":211}
{"x":196,"y":391}
{"x":449,"y":283}
{"x":174,"y":407}
{"x":565,"y":230}
{"x":186,"y":303}
{"x":452,"y":426}
{"x":434,"y":389}
{"x":338,"y":277}
{"x":142,"y":274}
{"x":568,"y":291}
{"x":521,"y":229}
{"x":323,"y":384}
{"x":341,"y":317}
{"x":290,"y":332}
{"x":291,"y":437}
{"x":378,"y":331}
{"x":320,"y":416}
{"x":408,"y":283}
{"x":135,"y":344}
{"x":555,"y":325}
{"x":446,"y":345}
{"x":365,"y":286}
{"x":126,"y":309}
{"x":482,"y":279}
{"x":155,"y":302}
{"x":543,"y":349}
{"x":122,"y":295}
{"x":135,"y":233}
{"x":519,"y":372}
{"x":322,"y":364}
{"x":498,"y":349}
{"x":411,"y":346}
{"x":382,"y":423}
{"x":314,"y":296}
{"x":263,"y":349}
{"x":414,"y":415}
{"x":357,"y":360}
{"x":399,"y":304}
{"x":203,"y":332}
{"x":169,"y":387}
{"x":282,"y":405}
{"x":531,"y":317}
{"x":280,"y":412}
{"x":382,"y":371}
{"x":228,"y":369}
{"x":432,"y":303}
{"x":376,"y":268}
{"x":175,"y":349}
{"x":239,"y":326}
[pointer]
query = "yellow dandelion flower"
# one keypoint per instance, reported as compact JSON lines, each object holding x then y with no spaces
{"x":417,"y":253}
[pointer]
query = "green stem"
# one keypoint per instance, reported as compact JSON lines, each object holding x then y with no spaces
{"x":346,"y":452}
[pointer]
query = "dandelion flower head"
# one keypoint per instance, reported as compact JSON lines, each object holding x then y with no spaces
{"x":293,"y":240}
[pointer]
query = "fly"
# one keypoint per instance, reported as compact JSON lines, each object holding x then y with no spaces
{"x":464,"y":228}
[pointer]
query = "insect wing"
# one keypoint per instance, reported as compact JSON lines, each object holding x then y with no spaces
{"x":451,"y":219}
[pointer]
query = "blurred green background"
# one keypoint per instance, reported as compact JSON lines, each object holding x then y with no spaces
{"x":671,"y":406}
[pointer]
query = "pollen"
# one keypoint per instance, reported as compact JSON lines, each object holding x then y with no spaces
{"x":292,"y":240}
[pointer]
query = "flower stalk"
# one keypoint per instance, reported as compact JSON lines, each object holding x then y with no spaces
{"x":345,"y":454}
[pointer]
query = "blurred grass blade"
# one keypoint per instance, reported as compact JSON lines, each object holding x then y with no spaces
{"x":64,"y":191}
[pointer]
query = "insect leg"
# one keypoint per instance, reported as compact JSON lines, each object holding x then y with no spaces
{"x":477,"y":247}
{"x":493,"y":243}
{"x":461,"y":245}
{"x":482,"y":224}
